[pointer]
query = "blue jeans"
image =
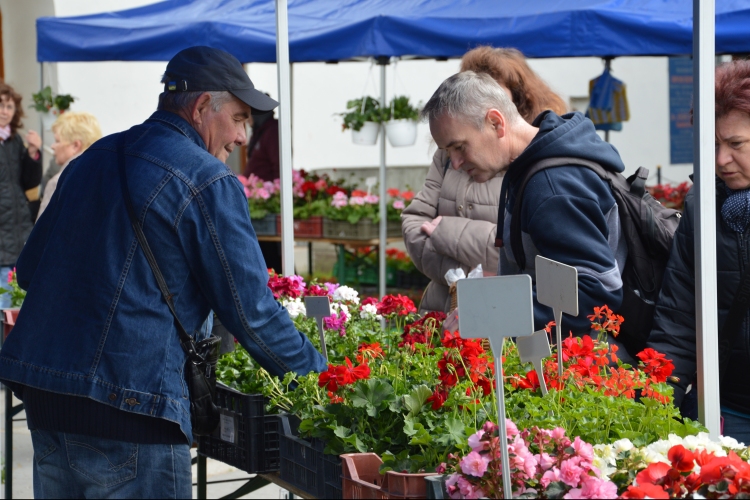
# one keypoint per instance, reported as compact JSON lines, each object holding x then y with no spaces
{"x":75,"y":466}
{"x":4,"y":297}
{"x":736,"y":427}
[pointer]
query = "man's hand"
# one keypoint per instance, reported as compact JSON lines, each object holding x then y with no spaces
{"x":429,"y":227}
{"x":451,"y":322}
{"x":34,"y":142}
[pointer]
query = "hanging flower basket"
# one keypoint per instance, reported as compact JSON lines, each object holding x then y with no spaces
{"x":367,"y":135}
{"x":401,"y":133}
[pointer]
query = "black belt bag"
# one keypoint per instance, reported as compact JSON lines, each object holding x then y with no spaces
{"x":200,"y":367}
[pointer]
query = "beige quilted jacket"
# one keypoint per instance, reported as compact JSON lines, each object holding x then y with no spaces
{"x":465,"y":236}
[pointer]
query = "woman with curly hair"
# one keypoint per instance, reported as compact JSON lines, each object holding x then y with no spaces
{"x":20,"y":171}
{"x":453,"y":220}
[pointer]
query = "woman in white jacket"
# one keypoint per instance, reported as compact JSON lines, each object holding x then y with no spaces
{"x":453,"y":220}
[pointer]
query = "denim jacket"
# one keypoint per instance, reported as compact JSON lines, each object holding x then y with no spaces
{"x":94,"y":322}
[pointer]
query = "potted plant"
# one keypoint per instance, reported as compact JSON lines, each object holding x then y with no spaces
{"x":363,"y":117}
{"x":50,"y":106}
{"x":353,"y":217}
{"x":398,"y":202}
{"x":263,"y":201}
{"x":17,"y":294}
{"x":400,"y":120}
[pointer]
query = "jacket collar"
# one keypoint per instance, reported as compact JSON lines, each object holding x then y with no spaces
{"x":180,"y":124}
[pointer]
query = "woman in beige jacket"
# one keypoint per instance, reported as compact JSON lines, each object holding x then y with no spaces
{"x":453,"y":220}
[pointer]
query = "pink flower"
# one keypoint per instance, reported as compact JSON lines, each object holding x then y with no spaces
{"x":551,"y":476}
{"x":356,"y":200}
{"x":271,"y":187}
{"x":371,"y":198}
{"x":247,"y":192}
{"x":489,"y":427}
{"x":10,"y":275}
{"x":570,"y":472}
{"x":331,"y":287}
{"x":321,"y":185}
{"x":450,"y":486}
{"x":474,"y":464}
{"x":339,"y":200}
{"x":468,"y":490}
{"x":263,"y":193}
{"x":475,"y":441}
{"x":510,"y":428}
{"x":545,"y":461}
{"x":593,"y":487}
{"x":242,"y":179}
{"x":583,"y":449}
{"x":558,"y":433}
{"x":399,"y":205}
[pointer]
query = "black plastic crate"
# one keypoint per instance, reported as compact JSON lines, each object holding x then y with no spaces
{"x":304,"y":465}
{"x":414,"y":279}
{"x":246,"y":437}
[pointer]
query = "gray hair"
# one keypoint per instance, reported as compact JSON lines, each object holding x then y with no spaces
{"x":470,"y":95}
{"x":182,"y":102}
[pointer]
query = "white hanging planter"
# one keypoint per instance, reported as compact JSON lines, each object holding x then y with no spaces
{"x":48,"y":119}
{"x":401,"y":133}
{"x":367,"y":135}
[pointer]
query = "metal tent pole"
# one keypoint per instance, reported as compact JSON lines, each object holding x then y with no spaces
{"x":706,"y":320}
{"x":383,"y":222}
{"x":285,"y":137}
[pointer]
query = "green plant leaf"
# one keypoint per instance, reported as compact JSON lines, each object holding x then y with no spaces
{"x":415,"y":400}
{"x":374,"y":395}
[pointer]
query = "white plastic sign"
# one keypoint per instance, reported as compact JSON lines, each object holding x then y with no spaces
{"x":534,"y":349}
{"x":495,"y":308}
{"x":319,"y":308}
{"x":557,"y":287}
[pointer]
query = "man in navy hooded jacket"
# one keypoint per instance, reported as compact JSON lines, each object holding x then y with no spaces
{"x":568,"y":213}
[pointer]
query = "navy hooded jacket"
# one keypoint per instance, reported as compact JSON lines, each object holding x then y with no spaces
{"x":568,"y":214}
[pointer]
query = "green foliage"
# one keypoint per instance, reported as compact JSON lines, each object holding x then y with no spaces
{"x":17,"y":294}
{"x":355,"y":116}
{"x":400,"y":109}
{"x":44,"y":101}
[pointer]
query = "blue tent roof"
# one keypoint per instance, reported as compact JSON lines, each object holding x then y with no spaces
{"x":321,"y":30}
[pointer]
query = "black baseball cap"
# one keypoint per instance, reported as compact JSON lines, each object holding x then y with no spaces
{"x":205,"y":69}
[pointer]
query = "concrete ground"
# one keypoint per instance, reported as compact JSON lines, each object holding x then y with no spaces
{"x":21,"y":467}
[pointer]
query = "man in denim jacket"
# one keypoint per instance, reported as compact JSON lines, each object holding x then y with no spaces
{"x":95,"y":354}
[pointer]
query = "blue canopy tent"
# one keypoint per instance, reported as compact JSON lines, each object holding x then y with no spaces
{"x":321,"y":30}
{"x":340,"y":30}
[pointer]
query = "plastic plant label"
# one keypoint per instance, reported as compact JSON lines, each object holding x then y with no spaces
{"x":534,"y":349}
{"x":319,"y":308}
{"x":370,"y":182}
{"x":495,"y":308}
{"x":557,"y":287}
{"x":227,"y":426}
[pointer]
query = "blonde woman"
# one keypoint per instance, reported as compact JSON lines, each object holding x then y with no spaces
{"x":74,"y":132}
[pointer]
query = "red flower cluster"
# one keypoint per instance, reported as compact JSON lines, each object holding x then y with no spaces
{"x":331,"y":190}
{"x":422,"y":330}
{"x":719,"y":477}
{"x":611,"y":321}
{"x":396,"y":304}
{"x":368,"y":352}
{"x":656,"y":364}
{"x":285,"y":286}
{"x":463,"y":359}
{"x":317,"y":291}
{"x":670,"y":196}
{"x":339,"y":376}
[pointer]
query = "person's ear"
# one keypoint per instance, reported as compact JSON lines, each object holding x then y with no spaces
{"x":497,"y":121}
{"x":77,"y":145}
{"x":200,"y":106}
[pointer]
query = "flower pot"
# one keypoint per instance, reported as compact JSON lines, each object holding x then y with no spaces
{"x":265,"y":226}
{"x":304,"y":228}
{"x":367,"y":135}
{"x":364,"y":229}
{"x":362,"y":479}
{"x":401,"y":133}
{"x":9,"y":319}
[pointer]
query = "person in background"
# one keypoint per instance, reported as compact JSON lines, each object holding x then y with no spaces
{"x":673,"y":333}
{"x":74,"y":132}
{"x":263,"y":161}
{"x":20,"y":175}
{"x":452,"y":221}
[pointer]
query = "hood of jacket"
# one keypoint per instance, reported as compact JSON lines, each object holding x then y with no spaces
{"x":569,"y":135}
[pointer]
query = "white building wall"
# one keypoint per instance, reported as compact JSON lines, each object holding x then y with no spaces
{"x":122,"y":94}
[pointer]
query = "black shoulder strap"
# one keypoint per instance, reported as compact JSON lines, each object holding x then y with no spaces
{"x":187,"y":342}
{"x":635,"y":184}
{"x":446,"y":167}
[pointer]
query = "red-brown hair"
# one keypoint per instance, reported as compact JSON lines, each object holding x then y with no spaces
{"x":15,"y":122}
{"x":508,"y":67}
{"x":732,"y":88}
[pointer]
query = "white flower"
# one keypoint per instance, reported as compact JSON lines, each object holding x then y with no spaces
{"x":370,"y":311}
{"x":294,"y":307}
{"x":346,"y":294}
{"x":731,"y":443}
{"x":604,"y":466}
{"x":622,"y":445}
{"x":338,"y":307}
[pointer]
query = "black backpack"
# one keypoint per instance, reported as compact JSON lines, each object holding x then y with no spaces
{"x":648,"y":228}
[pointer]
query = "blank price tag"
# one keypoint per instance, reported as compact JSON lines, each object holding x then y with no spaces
{"x":557,"y":287}
{"x":319,"y":308}
{"x":534,"y":349}
{"x":495,"y":308}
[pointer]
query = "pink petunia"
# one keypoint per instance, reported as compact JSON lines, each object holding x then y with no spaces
{"x":474,"y":464}
{"x":399,"y":205}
